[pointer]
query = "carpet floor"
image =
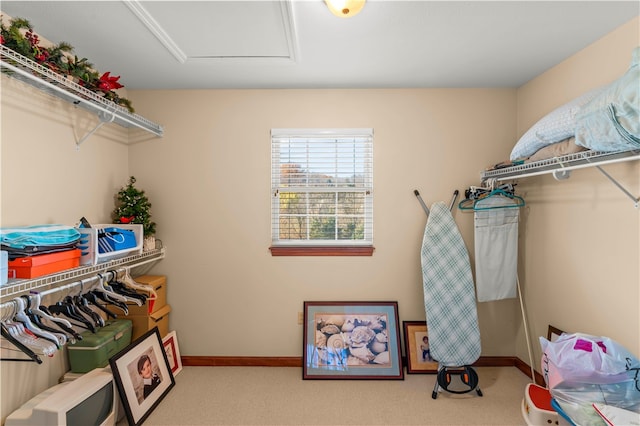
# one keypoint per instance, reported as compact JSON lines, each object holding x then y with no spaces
{"x":279,"y":396}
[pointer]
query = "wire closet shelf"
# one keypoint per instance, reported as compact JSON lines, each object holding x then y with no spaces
{"x":560,"y":165}
{"x":16,"y":287}
{"x":44,"y":79}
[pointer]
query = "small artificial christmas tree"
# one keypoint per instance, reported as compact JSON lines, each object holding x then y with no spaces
{"x":133,"y":206}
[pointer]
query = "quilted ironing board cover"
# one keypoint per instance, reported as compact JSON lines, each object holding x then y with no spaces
{"x":449,"y":293}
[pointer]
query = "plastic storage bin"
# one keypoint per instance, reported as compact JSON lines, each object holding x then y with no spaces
{"x":4,"y":267}
{"x":89,"y":243}
{"x":95,"y":349}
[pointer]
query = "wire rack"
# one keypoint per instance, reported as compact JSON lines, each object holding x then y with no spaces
{"x":16,"y":287}
{"x":44,"y":79}
{"x":561,"y":164}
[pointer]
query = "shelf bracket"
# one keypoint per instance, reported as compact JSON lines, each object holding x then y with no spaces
{"x":104,"y":119}
{"x":635,"y":200}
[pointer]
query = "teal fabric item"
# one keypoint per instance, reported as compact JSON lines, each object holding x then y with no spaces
{"x":611,"y":121}
{"x":449,"y":293}
{"x":38,"y":235}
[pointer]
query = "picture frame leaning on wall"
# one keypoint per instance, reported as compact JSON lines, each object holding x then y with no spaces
{"x":142,"y":375}
{"x":351,"y":340}
{"x":416,"y":348}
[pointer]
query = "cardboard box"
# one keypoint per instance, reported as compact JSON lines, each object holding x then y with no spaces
{"x":44,"y":264}
{"x":144,"y":323}
{"x":95,"y":349}
{"x":159,"y":284}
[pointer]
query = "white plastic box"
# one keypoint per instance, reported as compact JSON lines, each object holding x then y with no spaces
{"x":4,"y":268}
{"x":89,"y":243}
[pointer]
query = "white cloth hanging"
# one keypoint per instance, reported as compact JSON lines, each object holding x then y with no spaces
{"x":496,"y":248}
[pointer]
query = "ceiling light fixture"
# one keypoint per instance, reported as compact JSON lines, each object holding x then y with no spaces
{"x":345,"y":8}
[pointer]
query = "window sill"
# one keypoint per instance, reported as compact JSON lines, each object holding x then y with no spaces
{"x":321,"y":251}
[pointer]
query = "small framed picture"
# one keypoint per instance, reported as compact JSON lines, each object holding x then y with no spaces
{"x":142,"y":375}
{"x":416,"y":346}
{"x":351,"y":340}
{"x":170,"y":343}
{"x":553,"y":333}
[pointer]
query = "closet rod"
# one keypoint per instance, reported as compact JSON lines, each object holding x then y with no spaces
{"x":68,"y":286}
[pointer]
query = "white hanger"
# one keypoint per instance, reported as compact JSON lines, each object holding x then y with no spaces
{"x":115,"y":296}
{"x":21,"y":334}
{"x":24,"y":319}
{"x":36,"y":299}
{"x":130,"y":282}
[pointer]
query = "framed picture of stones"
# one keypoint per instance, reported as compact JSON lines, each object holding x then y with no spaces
{"x":351,"y":340}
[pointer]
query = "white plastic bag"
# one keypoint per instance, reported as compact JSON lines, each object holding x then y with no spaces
{"x":583,"y":359}
{"x":581,"y":370}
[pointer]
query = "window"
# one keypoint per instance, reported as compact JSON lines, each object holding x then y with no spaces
{"x":322,"y":191}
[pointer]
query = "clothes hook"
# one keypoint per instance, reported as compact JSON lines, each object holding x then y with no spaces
{"x":561,"y":173}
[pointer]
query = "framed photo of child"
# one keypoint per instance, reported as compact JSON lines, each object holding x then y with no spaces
{"x":143,"y":376}
{"x":416,"y":340}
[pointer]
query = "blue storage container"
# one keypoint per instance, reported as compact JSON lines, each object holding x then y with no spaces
{"x":115,"y":239}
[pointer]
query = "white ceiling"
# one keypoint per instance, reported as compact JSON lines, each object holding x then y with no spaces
{"x":300,"y":44}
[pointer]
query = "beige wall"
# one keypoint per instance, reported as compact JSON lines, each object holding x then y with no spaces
{"x":209,"y":180}
{"x":579,"y":260}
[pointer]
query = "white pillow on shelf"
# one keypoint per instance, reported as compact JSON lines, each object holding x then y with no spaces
{"x":558,"y":125}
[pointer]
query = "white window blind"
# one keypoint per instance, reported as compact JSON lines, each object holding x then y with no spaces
{"x":322,"y":187}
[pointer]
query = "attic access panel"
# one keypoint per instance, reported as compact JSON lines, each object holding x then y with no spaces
{"x":215,"y":30}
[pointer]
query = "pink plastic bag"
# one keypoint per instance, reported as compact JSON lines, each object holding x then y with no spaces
{"x":583,"y":359}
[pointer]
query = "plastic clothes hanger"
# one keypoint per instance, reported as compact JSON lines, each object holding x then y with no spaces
{"x":40,"y":310}
{"x":27,"y":351}
{"x":122,"y":289}
{"x":64,"y":308}
{"x":60,"y":322}
{"x":79,"y":314}
{"x":105,"y":298}
{"x":18,"y":332}
{"x":93,"y":300}
{"x":35,"y":319}
{"x":471,"y":204}
{"x":7,"y":315}
{"x":63,"y":338}
{"x":130,"y":282}
{"x":26,"y":337}
{"x":83,"y":305}
{"x":104,"y":288}
{"x":22,"y":317}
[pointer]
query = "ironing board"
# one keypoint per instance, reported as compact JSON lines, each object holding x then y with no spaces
{"x":449,"y":293}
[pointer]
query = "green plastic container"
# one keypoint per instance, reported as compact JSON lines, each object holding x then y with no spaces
{"x":95,"y":349}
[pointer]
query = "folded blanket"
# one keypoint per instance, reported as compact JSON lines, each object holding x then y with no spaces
{"x":38,"y":235}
